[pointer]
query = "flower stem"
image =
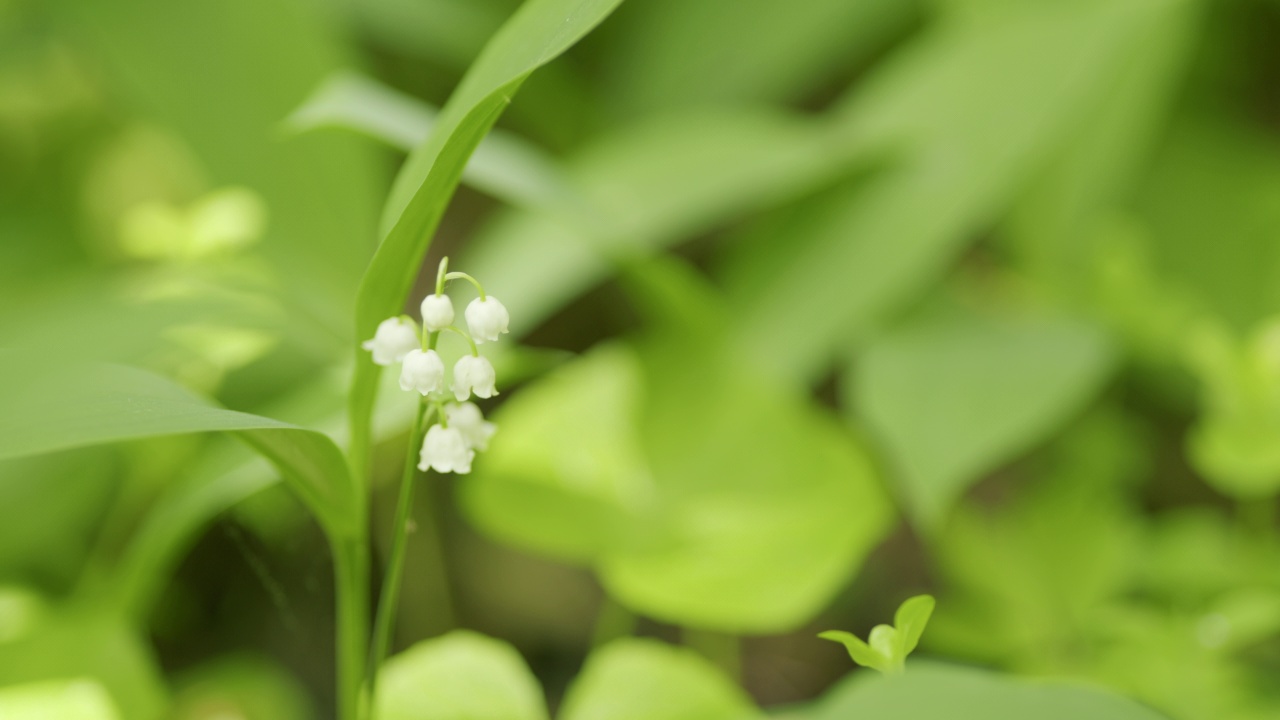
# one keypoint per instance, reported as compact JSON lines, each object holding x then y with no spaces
{"x":468,"y":278}
{"x":390,"y":595}
{"x":475,"y":351}
{"x":351,"y":579}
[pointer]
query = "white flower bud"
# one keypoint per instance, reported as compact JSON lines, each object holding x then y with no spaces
{"x":444,"y":450}
{"x":467,"y":419}
{"x":394,"y":339}
{"x":422,"y":371}
{"x":473,"y":374}
{"x":437,"y":312}
{"x":487,"y":319}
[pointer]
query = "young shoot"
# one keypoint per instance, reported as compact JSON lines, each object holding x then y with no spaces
{"x":888,"y":646}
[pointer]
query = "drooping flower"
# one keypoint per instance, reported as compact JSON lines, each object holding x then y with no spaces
{"x":437,"y":312}
{"x":393,"y":340}
{"x":467,"y":419}
{"x":444,"y":450}
{"x":423,"y":370}
{"x":473,"y":373}
{"x":487,"y":319}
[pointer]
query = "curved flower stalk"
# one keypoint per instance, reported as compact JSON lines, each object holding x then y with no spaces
{"x":448,"y":430}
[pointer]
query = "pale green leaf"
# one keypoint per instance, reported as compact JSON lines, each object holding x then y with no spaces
{"x":503,"y":165}
{"x":861,"y":652}
{"x":461,"y":676}
{"x":57,"y":700}
{"x":98,"y":647}
{"x":636,"y":679}
{"x":921,"y":387}
{"x":535,"y":35}
{"x":910,"y":621}
{"x":569,"y":477}
{"x":930,"y":691}
{"x":54,"y":406}
{"x":745,"y":509}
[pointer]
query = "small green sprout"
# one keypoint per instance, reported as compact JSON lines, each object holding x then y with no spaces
{"x":888,"y":647}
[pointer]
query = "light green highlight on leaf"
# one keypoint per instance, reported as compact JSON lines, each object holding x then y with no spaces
{"x":635,"y":679}
{"x":57,"y":700}
{"x":461,"y":676}
{"x":888,"y":645}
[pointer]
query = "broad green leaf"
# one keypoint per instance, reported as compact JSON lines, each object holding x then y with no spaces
{"x":92,"y":646}
{"x":54,"y":406}
{"x":247,"y":687}
{"x":224,"y":475}
{"x":745,"y":509}
{"x":503,"y":165}
{"x":920,"y":387}
{"x":929,"y":691}
{"x":910,"y":621}
{"x":860,"y":651}
{"x":57,"y":700}
{"x":535,"y":35}
{"x":636,"y":679}
{"x":461,"y":676}
{"x":72,"y":490}
{"x":569,"y":477}
{"x":974,"y":108}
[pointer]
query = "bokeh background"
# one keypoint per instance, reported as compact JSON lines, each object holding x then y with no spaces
{"x":817,"y":305}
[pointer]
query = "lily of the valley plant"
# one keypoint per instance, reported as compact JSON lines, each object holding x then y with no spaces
{"x":455,"y":429}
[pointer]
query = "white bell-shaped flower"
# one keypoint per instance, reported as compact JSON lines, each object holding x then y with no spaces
{"x":487,"y":319}
{"x":437,"y":312}
{"x":467,"y":419}
{"x":422,"y":370}
{"x":393,"y":340}
{"x":444,"y":450}
{"x":473,"y":374}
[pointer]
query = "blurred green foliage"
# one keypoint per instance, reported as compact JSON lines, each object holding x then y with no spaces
{"x":823,"y":304}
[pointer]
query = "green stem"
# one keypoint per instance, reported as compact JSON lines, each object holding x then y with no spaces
{"x":351,"y":577}
{"x":475,"y":351}
{"x":613,"y":621}
{"x":722,"y":649}
{"x":390,"y":595}
{"x":1258,"y":517}
{"x":468,"y":278}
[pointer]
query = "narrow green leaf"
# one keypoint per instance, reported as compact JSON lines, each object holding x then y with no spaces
{"x":504,"y":165}
{"x":535,"y":35}
{"x":975,"y":108}
{"x":910,"y":621}
{"x":461,"y":676}
{"x":929,"y":690}
{"x":862,"y":653}
{"x":649,"y":185}
{"x":636,"y":679}
{"x":52,"y":406}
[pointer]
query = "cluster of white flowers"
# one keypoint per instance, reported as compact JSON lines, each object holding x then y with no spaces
{"x":460,"y":429}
